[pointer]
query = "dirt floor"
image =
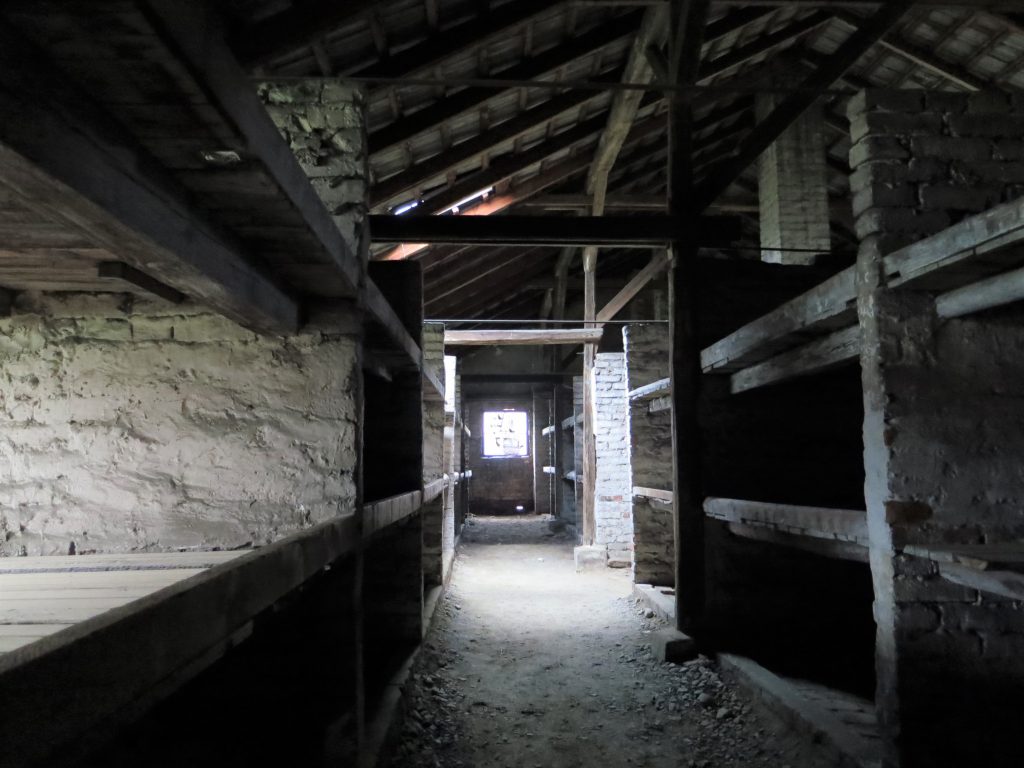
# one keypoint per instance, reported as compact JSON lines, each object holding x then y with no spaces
{"x":530,"y":664}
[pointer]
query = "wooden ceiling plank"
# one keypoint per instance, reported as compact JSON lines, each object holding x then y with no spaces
{"x":769,"y":129}
{"x":70,"y":162}
{"x":297,"y":27}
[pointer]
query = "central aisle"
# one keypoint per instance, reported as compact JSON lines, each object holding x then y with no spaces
{"x":532,"y":664}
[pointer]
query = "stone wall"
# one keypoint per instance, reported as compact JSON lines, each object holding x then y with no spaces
{"x":650,"y":445}
{"x":943,"y":428}
{"x":613,"y":511}
{"x":133,"y":424}
{"x":323,"y":122}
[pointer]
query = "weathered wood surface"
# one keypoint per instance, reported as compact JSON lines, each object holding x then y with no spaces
{"x":816,"y":356}
{"x":1003,"y":583}
{"x":117,"y":270}
{"x":658,"y":264}
{"x":378,"y":515}
{"x":142,"y":561}
{"x":817,"y":522}
{"x":102,"y":184}
{"x":831,"y":548}
{"x":821,"y":310}
{"x":523,"y":337}
{"x":68,"y":690}
{"x":434,"y":488}
{"x":653,"y":493}
{"x":980,"y":557}
{"x":977,"y":247}
{"x":652,"y":390}
{"x":996,"y":291}
{"x":197,"y":35}
{"x":660,"y":404}
{"x":611,"y":231}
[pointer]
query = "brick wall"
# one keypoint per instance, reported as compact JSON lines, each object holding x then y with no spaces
{"x":128,"y":423}
{"x":613,"y":513}
{"x":793,"y":187}
{"x":943,"y":429}
{"x":650,"y":444}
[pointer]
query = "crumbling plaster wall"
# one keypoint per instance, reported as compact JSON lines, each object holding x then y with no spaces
{"x":128,"y":423}
{"x":943,"y":428}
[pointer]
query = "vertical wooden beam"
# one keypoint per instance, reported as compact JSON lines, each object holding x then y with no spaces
{"x":357,"y":561}
{"x":557,"y":407}
{"x":687,"y":21}
{"x":589,"y":354}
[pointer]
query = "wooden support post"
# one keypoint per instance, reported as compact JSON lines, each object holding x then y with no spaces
{"x":688,"y":19}
{"x":589,"y":353}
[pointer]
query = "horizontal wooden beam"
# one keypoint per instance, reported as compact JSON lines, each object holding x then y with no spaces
{"x":654,"y":389}
{"x":1009,"y":584}
{"x":653,"y":493}
{"x":125,"y":660}
{"x":580,"y":201}
{"x":617,"y":231}
{"x":996,"y":291}
{"x":522,"y":337}
{"x":833,"y":549}
{"x":826,"y":307}
{"x":378,"y":515}
{"x":194,"y":30}
{"x":65,"y":158}
{"x":298,"y":26}
{"x":816,"y":522}
{"x":516,"y":378}
{"x":814,"y":357}
{"x":118,"y":270}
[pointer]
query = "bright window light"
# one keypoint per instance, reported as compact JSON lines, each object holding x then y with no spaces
{"x":404,"y":207}
{"x":482,"y":194}
{"x":505,"y":433}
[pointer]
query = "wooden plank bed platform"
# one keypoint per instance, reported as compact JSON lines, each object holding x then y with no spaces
{"x":43,"y":595}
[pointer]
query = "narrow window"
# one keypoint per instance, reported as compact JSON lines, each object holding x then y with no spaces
{"x":505,"y":433}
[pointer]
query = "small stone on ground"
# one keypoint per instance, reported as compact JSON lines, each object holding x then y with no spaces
{"x":530,"y":663}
